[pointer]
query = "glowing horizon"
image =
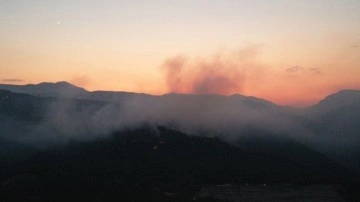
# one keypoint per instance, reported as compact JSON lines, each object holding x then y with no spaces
{"x":288,"y":52}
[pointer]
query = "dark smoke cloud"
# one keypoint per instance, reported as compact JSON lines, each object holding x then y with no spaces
{"x":221,"y":74}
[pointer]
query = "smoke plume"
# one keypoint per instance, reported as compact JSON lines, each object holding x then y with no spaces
{"x":220,"y":74}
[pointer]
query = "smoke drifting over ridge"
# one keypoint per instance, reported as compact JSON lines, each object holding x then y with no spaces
{"x":78,"y":115}
{"x":64,"y":120}
{"x":221,"y":74}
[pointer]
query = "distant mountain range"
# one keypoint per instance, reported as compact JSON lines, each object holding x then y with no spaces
{"x":67,"y":90}
{"x":49,"y":125}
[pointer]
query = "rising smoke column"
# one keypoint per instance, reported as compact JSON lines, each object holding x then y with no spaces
{"x":220,"y":74}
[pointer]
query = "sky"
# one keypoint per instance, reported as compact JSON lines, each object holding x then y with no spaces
{"x":289,"y":52}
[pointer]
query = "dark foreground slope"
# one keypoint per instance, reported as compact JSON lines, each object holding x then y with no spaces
{"x":148,"y":164}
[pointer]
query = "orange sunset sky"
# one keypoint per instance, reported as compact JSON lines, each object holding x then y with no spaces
{"x":287,"y":51}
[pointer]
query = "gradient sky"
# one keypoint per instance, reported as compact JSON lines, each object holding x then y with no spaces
{"x":288,"y":51}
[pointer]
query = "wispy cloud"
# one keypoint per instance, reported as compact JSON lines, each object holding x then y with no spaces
{"x":315,"y":70}
{"x":13,"y":80}
{"x":294,"y":69}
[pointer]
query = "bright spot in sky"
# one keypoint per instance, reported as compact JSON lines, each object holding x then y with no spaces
{"x":58,"y":22}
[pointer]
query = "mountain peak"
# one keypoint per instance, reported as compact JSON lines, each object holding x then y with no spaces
{"x":343,"y":97}
{"x":58,"y":89}
{"x":59,"y":84}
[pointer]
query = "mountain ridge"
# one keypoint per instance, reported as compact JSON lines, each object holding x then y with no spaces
{"x":64,"y":88}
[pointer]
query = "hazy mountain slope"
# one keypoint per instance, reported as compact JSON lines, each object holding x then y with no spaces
{"x":338,"y":114}
{"x":336,"y":125}
{"x":343,"y":98}
{"x":280,"y":146}
{"x":42,"y":120}
{"x":22,"y":106}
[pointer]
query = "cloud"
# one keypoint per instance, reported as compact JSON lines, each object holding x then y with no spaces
{"x":315,"y":70}
{"x":220,"y":74}
{"x":13,"y":80}
{"x":294,"y":69}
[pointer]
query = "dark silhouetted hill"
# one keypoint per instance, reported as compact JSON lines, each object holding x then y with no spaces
{"x":149,"y":162}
